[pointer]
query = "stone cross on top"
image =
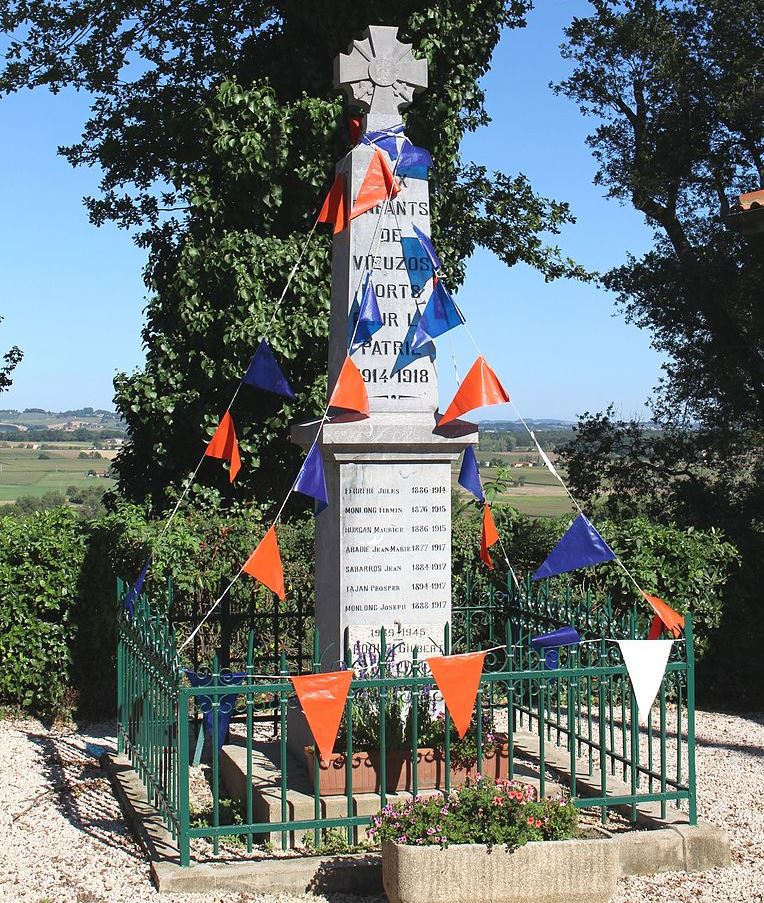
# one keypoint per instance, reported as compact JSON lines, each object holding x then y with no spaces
{"x":381,"y":75}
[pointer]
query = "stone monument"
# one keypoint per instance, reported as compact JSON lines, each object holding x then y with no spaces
{"x":383,"y":544}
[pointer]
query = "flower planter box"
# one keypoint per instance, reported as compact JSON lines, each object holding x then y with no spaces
{"x":554,"y":871}
{"x":430,"y":765}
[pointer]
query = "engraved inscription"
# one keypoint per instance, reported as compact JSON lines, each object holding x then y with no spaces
{"x":395,"y":543}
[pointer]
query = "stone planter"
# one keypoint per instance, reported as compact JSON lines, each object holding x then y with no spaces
{"x":555,"y":871}
{"x":430,"y":764}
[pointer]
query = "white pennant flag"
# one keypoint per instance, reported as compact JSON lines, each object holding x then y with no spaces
{"x":545,"y":459}
{"x":645,"y":661}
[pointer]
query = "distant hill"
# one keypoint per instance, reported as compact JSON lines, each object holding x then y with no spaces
{"x":35,"y":419}
{"x":515,"y":426}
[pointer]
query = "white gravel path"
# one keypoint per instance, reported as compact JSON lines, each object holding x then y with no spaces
{"x":62,"y":838}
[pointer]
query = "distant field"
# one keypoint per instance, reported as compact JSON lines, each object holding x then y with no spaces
{"x":23,"y":473}
{"x":540,"y":494}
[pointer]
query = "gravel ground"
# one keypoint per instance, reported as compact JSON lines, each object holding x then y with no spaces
{"x":62,"y":838}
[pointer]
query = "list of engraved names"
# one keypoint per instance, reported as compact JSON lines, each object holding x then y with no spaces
{"x":395,"y":560}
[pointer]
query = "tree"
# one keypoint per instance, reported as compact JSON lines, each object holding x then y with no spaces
{"x":677,"y":89}
{"x":11,"y":359}
{"x":216,"y":127}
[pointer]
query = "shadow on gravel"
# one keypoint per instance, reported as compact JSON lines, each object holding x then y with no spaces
{"x":82,"y":793}
{"x":755,"y":751}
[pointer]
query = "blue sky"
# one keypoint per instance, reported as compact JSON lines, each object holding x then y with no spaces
{"x":74,"y":294}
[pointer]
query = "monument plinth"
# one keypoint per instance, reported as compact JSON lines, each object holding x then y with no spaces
{"x":383,"y":544}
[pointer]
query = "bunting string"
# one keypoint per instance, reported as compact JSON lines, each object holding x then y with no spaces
{"x":375,"y":242}
{"x":544,"y":457}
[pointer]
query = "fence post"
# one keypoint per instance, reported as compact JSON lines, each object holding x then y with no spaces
{"x":184,"y":841}
{"x":690,"y":652}
{"x":120,"y":675}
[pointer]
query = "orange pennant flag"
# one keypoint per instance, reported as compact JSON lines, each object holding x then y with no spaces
{"x":458,"y":679}
{"x":480,"y":387}
{"x":379,"y":184}
{"x":350,"y":389}
{"x":223,"y":445}
{"x":490,"y":535}
{"x":334,"y":210}
{"x":671,"y":620}
{"x":322,"y":697}
{"x":264,"y":564}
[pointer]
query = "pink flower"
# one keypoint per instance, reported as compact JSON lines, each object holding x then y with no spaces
{"x":531,"y":821}
{"x":444,"y":810}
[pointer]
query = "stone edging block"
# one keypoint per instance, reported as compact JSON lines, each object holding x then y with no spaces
{"x":675,"y":848}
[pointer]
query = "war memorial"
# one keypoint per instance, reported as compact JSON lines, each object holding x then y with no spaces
{"x":398,"y":690}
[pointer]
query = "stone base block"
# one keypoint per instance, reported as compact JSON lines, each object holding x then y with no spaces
{"x":569,"y":870}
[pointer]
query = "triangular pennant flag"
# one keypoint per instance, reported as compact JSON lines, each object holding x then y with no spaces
{"x":469,"y":474}
{"x":439,"y":315}
{"x":264,"y":564}
{"x":489,"y":536}
{"x":429,"y":248}
{"x":310,"y":480}
{"x":223,"y":445}
{"x":544,"y":457}
{"x":335,"y":206}
{"x":671,"y":620}
{"x":369,"y":319}
{"x":458,"y":679}
{"x":645,"y":661}
{"x":656,"y":628}
{"x":387,"y":143}
{"x":418,"y":264}
{"x":387,"y":139}
{"x":355,"y":125}
{"x":323,"y":697}
{"x":580,"y":547}
{"x":264,"y":373}
{"x":413,"y":162}
{"x":480,"y":387}
{"x":379,"y":184}
{"x":350,"y":390}
{"x":133,"y":594}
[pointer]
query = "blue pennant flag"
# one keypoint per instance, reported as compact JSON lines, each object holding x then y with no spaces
{"x":133,"y":594}
{"x":264,"y":373}
{"x":413,"y":162}
{"x":386,"y":139}
{"x":226,"y":704}
{"x":580,"y":547}
{"x":418,"y":264}
{"x":440,"y":315}
{"x":369,"y":318}
{"x":469,"y":475}
{"x":426,"y":242}
{"x":407,"y":353}
{"x":311,"y":480}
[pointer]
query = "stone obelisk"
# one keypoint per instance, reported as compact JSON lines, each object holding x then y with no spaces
{"x":383,"y":545}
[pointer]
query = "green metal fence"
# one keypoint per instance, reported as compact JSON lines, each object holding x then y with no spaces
{"x":585,"y":708}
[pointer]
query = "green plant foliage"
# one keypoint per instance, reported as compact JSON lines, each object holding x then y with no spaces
{"x":41,"y":558}
{"x":482,"y":811}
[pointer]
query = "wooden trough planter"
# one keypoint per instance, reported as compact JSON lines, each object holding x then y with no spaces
{"x":430,"y":765}
{"x":552,"y":871}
